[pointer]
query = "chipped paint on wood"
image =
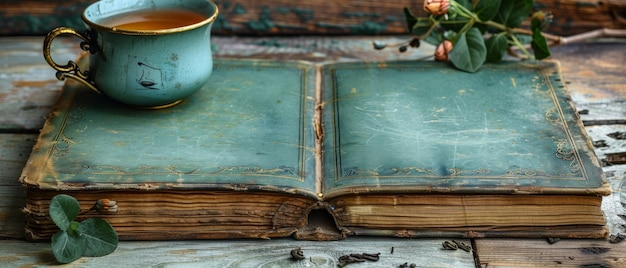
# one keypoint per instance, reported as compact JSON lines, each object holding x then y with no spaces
{"x":32,"y":17}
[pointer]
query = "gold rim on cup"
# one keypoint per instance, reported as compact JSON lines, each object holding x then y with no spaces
{"x":154,"y":32}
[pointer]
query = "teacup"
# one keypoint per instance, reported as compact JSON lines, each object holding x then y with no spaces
{"x":148,"y":54}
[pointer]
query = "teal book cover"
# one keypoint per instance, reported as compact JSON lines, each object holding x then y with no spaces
{"x":325,"y":151}
{"x":510,"y":128}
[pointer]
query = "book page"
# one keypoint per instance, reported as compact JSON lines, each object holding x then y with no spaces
{"x":425,"y":127}
{"x":248,"y":128}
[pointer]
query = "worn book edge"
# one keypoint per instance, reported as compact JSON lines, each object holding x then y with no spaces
{"x":586,"y":231}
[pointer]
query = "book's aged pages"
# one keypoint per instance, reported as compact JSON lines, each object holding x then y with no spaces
{"x":273,"y":149}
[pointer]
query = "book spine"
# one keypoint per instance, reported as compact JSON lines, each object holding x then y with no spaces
{"x":318,"y":127}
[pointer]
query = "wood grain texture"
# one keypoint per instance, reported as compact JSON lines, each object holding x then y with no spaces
{"x":280,"y":17}
{"x":540,"y":253}
{"x":14,"y":151}
{"x":594,"y":73}
{"x":28,"y":86}
{"x":425,"y":252}
{"x":246,"y":253}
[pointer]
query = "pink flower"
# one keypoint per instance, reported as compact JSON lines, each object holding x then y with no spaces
{"x":442,"y":51}
{"x":437,"y":7}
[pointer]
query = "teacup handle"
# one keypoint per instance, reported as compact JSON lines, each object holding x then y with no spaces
{"x":71,"y":69}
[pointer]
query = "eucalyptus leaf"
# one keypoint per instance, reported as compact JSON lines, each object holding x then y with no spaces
{"x":496,"y":47}
{"x":540,"y":45}
{"x":100,"y":237}
{"x":487,"y":9}
{"x":66,"y":248}
{"x":513,"y":12}
{"x":63,"y":209}
{"x":469,"y":52}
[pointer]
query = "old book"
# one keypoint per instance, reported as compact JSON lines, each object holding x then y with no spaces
{"x":324,"y":151}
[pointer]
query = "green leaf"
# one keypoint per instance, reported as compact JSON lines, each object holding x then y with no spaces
{"x":421,"y":26}
{"x":487,"y":9}
{"x":469,"y":52}
{"x":416,"y":25}
{"x":100,"y":236}
{"x":454,"y":24}
{"x":496,"y":47}
{"x":513,"y":12}
{"x":63,"y":209}
{"x":66,"y":248}
{"x":72,"y":230}
{"x":435,"y":38}
{"x":535,"y":24}
{"x":540,"y":45}
{"x":411,"y":20}
{"x":466,"y":3}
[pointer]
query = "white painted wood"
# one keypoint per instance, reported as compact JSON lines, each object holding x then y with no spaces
{"x":248,"y":253}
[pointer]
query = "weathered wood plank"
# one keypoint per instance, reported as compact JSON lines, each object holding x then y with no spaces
{"x":14,"y":151}
{"x":318,"y":49}
{"x":610,"y":140}
{"x":539,"y":253}
{"x":594,"y":73}
{"x":614,"y":205}
{"x":249,"y":253}
{"x":571,"y":253}
{"x":364,"y":17}
{"x":28,"y":88}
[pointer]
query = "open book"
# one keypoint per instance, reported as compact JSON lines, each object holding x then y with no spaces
{"x":323,"y":151}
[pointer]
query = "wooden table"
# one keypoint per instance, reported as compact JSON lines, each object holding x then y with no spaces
{"x":594,"y":71}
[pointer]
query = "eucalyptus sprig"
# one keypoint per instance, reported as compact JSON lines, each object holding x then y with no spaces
{"x":92,"y":237}
{"x":470,"y":33}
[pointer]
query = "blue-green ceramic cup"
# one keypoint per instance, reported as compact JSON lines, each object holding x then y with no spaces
{"x":153,"y":68}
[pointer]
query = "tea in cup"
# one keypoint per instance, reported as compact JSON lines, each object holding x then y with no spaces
{"x":148,"y":54}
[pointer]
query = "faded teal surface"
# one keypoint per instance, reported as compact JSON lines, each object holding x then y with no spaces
{"x":430,"y":128}
{"x":401,"y":127}
{"x":247,"y":128}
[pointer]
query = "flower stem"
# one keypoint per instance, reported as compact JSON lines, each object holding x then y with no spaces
{"x":520,"y":45}
{"x":430,"y":30}
{"x":463,"y":12}
{"x":466,"y":27}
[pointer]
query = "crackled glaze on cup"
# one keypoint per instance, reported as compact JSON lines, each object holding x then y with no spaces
{"x":144,"y":68}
